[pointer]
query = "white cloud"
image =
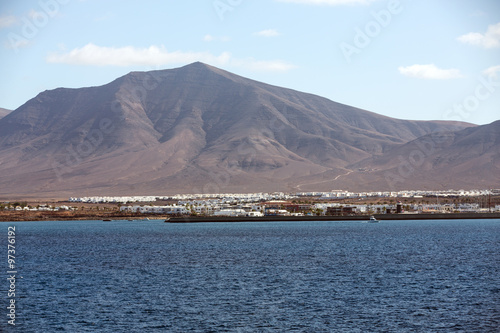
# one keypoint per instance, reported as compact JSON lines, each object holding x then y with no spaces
{"x":208,"y":38}
{"x":268,"y":33}
{"x":7,"y":21}
{"x":488,"y":40}
{"x":329,"y":2}
{"x":94,"y":55}
{"x":492,"y":71}
{"x":429,"y":72}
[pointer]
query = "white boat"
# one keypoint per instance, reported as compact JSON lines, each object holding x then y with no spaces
{"x":373,"y":220}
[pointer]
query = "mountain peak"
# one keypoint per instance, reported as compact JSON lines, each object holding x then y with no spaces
{"x":202,"y":67}
{"x":198,"y":64}
{"x":193,"y":67}
{"x":194,"y":71}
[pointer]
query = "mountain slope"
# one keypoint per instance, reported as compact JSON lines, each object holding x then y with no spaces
{"x":191,"y":129}
{"x":469,"y":158}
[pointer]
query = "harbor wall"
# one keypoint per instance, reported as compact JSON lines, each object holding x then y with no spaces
{"x":381,"y":217}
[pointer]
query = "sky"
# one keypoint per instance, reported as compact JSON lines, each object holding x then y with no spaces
{"x":408,"y":59}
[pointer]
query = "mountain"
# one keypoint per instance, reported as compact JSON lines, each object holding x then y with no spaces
{"x":4,"y":112}
{"x":469,"y":158}
{"x":188,"y":130}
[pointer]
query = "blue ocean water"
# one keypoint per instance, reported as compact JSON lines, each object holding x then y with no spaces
{"x":395,"y":276}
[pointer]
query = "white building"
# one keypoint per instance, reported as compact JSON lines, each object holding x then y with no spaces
{"x":231,"y":212}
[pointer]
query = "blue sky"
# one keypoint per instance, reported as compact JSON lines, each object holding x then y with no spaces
{"x":409,"y":59}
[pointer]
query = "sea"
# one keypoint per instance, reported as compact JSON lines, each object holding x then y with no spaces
{"x":151,"y":276}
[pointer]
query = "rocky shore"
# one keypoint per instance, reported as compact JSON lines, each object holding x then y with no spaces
{"x":13,"y":216}
{"x":381,"y":217}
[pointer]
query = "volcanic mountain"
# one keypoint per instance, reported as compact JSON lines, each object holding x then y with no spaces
{"x":201,"y":129}
{"x":469,"y":158}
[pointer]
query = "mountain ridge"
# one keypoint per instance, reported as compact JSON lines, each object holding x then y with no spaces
{"x":441,"y":157}
{"x":193,"y":127}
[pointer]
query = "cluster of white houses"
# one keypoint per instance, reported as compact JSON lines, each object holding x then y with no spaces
{"x":122,"y":200}
{"x":285,"y":208}
{"x":39,"y":208}
{"x":399,"y":194}
{"x":189,"y":210}
{"x":259,"y":197}
{"x":279,"y":203}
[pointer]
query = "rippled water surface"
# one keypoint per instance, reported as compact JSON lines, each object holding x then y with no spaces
{"x":395,"y":276}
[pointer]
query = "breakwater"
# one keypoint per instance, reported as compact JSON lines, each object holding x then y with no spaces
{"x":381,"y":217}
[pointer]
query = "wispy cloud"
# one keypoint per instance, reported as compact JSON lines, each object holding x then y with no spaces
{"x":329,"y":2}
{"x":94,"y":55}
{"x":490,"y":39}
{"x":210,"y":38}
{"x":268,"y":33}
{"x":492,"y":71}
{"x":429,"y":71}
{"x":7,"y":21}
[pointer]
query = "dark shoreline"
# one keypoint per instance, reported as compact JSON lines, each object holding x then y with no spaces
{"x":381,"y":217}
{"x":208,"y":219}
{"x":77,"y":217}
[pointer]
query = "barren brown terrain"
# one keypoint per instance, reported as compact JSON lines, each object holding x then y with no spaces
{"x":199,"y":129}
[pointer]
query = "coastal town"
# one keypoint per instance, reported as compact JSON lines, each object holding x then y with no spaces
{"x":333,"y":203}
